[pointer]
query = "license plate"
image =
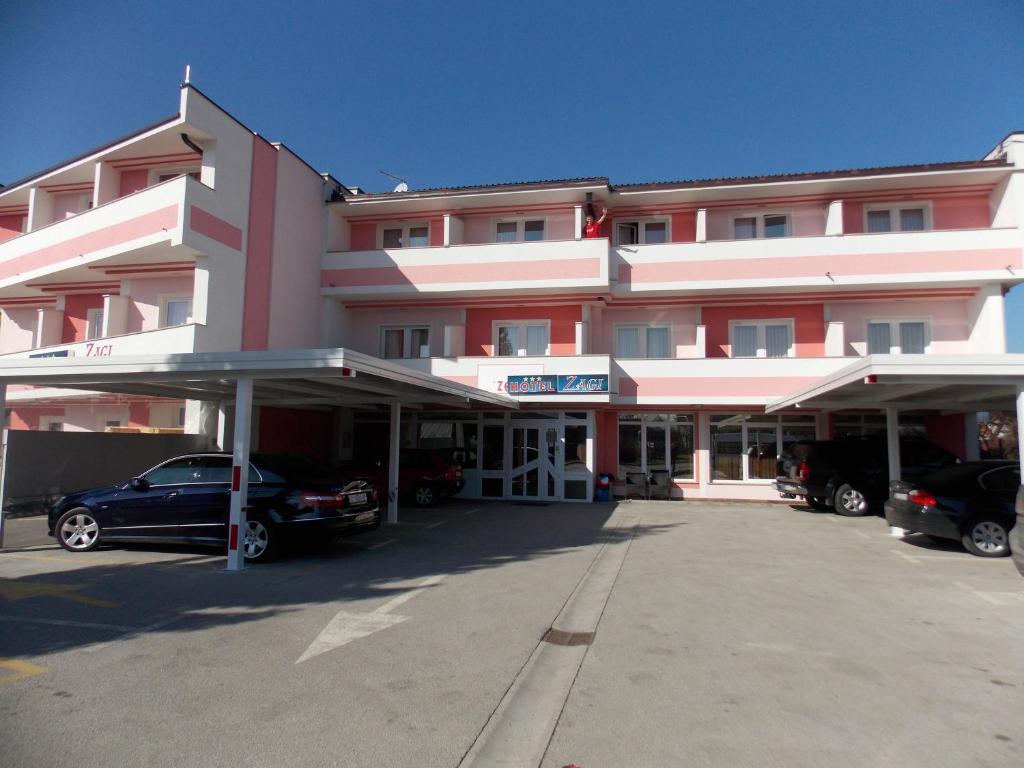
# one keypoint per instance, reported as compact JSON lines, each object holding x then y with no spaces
{"x":900,"y":496}
{"x":357,"y":498}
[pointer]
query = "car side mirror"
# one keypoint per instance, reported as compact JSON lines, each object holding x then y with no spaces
{"x":138,"y":484}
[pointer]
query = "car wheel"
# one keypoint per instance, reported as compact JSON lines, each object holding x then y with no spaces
{"x":986,"y":538}
{"x":851,"y":502}
{"x":77,"y":530}
{"x":260,"y":541}
{"x":425,"y":496}
{"x":817,"y":502}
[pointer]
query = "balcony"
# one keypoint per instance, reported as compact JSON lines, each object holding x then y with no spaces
{"x":148,"y":226}
{"x":825,"y":262}
{"x":180,"y":338}
{"x":549,"y":266}
{"x":709,"y":381}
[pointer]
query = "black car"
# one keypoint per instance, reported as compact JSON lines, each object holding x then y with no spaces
{"x":851,"y":475}
{"x":972,"y":503}
{"x":186,"y":499}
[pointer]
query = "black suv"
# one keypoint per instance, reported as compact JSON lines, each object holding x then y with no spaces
{"x":851,"y":475}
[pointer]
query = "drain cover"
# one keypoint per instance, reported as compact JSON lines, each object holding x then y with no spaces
{"x":561,"y":637}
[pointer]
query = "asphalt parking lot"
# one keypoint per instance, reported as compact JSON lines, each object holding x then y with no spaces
{"x":696,"y":634}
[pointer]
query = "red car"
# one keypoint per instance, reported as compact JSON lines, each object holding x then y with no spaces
{"x":424,"y":476}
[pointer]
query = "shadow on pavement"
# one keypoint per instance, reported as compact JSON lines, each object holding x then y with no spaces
{"x":49,"y":610}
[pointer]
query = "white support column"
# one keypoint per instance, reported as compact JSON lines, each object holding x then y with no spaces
{"x":892,"y":436}
{"x":3,"y":455}
{"x":702,"y":225}
{"x":222,"y":425}
{"x":239,"y":474}
{"x":579,"y":222}
{"x":834,"y":218}
{"x":447,"y":230}
{"x":393,"y":448}
{"x":701,"y":341}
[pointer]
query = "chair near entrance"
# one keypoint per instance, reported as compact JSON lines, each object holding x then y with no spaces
{"x":655,"y":485}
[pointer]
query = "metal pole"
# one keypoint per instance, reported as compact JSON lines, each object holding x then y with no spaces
{"x":239,"y":474}
{"x":396,"y":436}
{"x":1020,"y":423}
{"x":892,"y":436}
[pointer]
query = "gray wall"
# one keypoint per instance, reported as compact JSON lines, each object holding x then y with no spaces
{"x":41,"y":466}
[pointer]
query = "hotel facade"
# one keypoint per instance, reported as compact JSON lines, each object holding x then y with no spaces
{"x":651,"y":353}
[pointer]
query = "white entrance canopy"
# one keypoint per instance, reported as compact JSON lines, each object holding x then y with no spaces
{"x":894,"y":383}
{"x":960,"y":383}
{"x":290,"y":377}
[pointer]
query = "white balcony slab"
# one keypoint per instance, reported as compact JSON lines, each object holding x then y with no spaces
{"x":550,"y":266}
{"x":879,"y":259}
{"x":169,"y":341}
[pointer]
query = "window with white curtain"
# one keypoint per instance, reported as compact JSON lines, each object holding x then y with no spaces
{"x":897,"y":337}
{"x":94,"y":321}
{"x":405,"y":235}
{"x":761,"y":338}
{"x":751,"y":226}
{"x":519,"y":230}
{"x":518,"y":339}
{"x":887,"y":217}
{"x":175,"y":311}
{"x":642,"y":341}
{"x":405,"y":342}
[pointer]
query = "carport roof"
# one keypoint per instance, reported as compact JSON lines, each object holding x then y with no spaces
{"x":907,"y":382}
{"x":296,"y":377}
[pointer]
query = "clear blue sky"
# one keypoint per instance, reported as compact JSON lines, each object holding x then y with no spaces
{"x":453,"y":93}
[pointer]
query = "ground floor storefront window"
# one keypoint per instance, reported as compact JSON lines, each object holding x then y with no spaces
{"x":748,"y":446}
{"x":657,"y":446}
{"x":540,"y":455}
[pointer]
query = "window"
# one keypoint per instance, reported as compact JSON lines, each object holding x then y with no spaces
{"x":747,"y":447}
{"x":761,"y":338}
{"x":656,"y":444}
{"x":168,"y":175}
{"x":641,"y":341}
{"x":407,"y":342}
{"x":1005,"y":479}
{"x":405,"y":236}
{"x":641,"y":232}
{"x":528,"y":230}
{"x":519,"y":339}
{"x":54,"y":426}
{"x":749,"y":227}
{"x":897,"y":337}
{"x":175,"y":311}
{"x":897,"y":218}
{"x":112,"y":423}
{"x":94,"y":324}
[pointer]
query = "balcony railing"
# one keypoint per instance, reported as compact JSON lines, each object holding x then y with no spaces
{"x":484,"y":269}
{"x":141,"y":219}
{"x":822,"y":262}
{"x":180,"y":338}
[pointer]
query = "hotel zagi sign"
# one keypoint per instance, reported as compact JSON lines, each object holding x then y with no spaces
{"x":550,"y":384}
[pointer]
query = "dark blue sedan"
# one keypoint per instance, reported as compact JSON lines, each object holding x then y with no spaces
{"x":972,"y":503}
{"x":186,"y":500}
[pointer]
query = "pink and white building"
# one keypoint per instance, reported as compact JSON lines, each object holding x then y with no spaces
{"x":650,"y":352}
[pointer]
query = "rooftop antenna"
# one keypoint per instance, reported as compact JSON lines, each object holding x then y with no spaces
{"x":403,"y":185}
{"x":188,"y":73}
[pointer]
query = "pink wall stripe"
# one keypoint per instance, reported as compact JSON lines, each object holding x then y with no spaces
{"x":801,"y":266}
{"x":259,"y":250}
{"x":561,"y":269}
{"x":132,"y":229}
{"x":703,"y":386}
{"x":214,"y":228}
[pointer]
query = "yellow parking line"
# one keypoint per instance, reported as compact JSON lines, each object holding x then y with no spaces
{"x":12,"y":670}
{"x":22,"y":590}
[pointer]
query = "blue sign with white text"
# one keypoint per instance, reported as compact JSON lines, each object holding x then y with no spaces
{"x":562,"y":384}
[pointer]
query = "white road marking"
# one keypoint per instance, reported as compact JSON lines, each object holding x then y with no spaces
{"x":862,"y":534}
{"x":982,"y":595}
{"x":434,"y":525}
{"x":64,"y":623}
{"x":134,"y":631}
{"x":382,"y":544}
{"x":346,"y":627}
{"x":832,"y":520}
{"x":471,"y":511}
{"x":905,"y":556}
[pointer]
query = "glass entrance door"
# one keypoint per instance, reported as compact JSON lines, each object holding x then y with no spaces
{"x":537,"y":458}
